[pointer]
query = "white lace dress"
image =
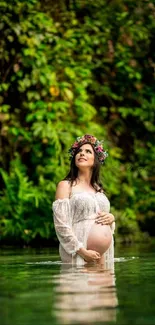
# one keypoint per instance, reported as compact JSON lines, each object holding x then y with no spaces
{"x":73,"y":218}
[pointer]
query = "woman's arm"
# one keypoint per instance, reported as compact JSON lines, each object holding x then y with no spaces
{"x":62,"y":223}
{"x":62,"y":219}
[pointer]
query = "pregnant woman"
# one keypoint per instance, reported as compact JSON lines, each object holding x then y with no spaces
{"x":82,"y":220}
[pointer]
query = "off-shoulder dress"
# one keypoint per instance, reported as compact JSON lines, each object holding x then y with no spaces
{"x":73,"y":219}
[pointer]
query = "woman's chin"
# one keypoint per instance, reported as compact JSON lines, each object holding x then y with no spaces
{"x":83,"y":164}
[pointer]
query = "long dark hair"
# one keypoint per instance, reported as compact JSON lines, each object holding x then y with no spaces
{"x":95,"y":179}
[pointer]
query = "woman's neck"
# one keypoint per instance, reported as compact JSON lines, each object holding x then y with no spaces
{"x":84,"y":177}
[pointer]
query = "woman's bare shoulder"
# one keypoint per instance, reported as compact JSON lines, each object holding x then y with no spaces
{"x":63,"y":190}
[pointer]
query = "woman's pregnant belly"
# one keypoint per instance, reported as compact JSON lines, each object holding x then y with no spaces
{"x":99,"y":238}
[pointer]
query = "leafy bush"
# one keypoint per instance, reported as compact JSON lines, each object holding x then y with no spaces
{"x":24,"y":208}
{"x":66,"y":70}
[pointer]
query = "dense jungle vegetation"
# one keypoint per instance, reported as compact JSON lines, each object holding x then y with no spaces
{"x":68,"y":68}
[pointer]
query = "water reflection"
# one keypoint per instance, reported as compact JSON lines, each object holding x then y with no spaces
{"x":86,"y":295}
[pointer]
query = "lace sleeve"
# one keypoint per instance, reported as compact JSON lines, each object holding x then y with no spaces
{"x":63,"y":227}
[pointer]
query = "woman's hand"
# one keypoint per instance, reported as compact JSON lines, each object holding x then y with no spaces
{"x":105,"y":218}
{"x":92,"y":256}
{"x":89,"y":255}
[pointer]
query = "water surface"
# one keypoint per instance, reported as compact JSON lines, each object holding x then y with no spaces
{"x":36,"y":288}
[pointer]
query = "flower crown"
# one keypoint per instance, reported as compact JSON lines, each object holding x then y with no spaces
{"x":97,"y":145}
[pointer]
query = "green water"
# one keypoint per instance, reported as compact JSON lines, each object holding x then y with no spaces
{"x":35,"y":288}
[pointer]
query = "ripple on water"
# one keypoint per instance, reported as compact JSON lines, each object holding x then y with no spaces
{"x":45,"y":263}
{"x":117,"y":259}
{"x":125,"y":259}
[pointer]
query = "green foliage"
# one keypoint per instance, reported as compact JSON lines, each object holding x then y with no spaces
{"x":24,"y":208}
{"x":67,"y":70}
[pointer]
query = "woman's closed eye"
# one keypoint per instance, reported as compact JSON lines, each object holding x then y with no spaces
{"x":87,"y":150}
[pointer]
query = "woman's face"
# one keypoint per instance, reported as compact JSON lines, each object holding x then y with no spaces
{"x":85,"y":156}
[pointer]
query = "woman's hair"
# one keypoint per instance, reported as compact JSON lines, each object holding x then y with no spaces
{"x":95,"y":179}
